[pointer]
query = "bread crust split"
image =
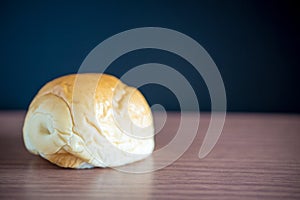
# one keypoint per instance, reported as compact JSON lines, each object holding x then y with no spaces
{"x":89,"y":120}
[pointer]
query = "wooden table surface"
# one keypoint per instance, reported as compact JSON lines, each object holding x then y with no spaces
{"x":257,"y":157}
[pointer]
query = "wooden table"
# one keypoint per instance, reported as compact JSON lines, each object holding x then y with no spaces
{"x":257,"y":157}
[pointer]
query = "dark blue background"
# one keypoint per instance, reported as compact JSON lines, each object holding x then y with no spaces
{"x":254,"y":43}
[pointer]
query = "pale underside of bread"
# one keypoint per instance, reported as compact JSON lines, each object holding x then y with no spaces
{"x":76,"y":121}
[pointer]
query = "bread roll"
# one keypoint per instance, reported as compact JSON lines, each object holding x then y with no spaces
{"x":89,"y":120}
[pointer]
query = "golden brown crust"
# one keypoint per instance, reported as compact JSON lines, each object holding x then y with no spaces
{"x":64,"y":159}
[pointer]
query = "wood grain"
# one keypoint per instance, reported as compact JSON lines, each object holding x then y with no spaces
{"x":257,"y":157}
